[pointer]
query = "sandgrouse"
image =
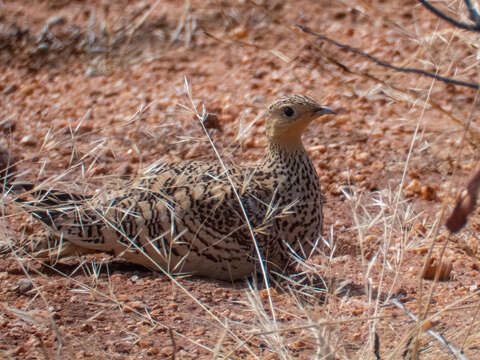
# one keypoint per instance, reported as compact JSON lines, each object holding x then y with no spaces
{"x":186,"y":217}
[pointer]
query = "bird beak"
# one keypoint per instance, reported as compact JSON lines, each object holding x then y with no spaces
{"x":324,"y":110}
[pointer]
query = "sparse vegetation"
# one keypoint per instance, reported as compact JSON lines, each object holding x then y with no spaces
{"x":90,"y":94}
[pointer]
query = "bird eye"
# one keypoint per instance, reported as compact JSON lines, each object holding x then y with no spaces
{"x":288,"y":111}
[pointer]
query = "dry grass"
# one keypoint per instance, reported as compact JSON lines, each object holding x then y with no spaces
{"x":303,"y":314}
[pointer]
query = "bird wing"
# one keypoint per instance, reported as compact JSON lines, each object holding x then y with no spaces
{"x":192,"y":203}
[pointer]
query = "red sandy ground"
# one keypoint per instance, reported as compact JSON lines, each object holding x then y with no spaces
{"x":98,"y":95}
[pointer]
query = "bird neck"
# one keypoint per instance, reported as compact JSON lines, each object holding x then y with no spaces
{"x":284,"y":152}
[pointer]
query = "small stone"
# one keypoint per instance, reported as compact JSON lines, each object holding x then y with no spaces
{"x":123,"y":347}
{"x":359,"y":177}
{"x":427,"y":325}
{"x":173,"y":306}
{"x":145,"y":344}
{"x":369,"y":239}
{"x":320,"y":148}
{"x":377,"y":165}
{"x":428,"y":193}
{"x":445,"y":271}
{"x":86,"y":328}
{"x":211,"y":122}
{"x":239,"y":32}
{"x":24,"y":285}
{"x":28,"y":140}
{"x":41,"y":49}
{"x":298,"y":345}
{"x":362,"y":156}
{"x":153,"y":351}
{"x":200,"y":331}
{"x":166,"y":352}
{"x":123,"y":297}
{"x":82,"y":354}
{"x":156,"y":313}
{"x":137,"y":305}
{"x":418,"y":250}
{"x":92,"y":72}
{"x":10,"y":89}
{"x":264,"y":294}
{"x":258,"y":99}
{"x":19,"y":350}
{"x":413,"y":188}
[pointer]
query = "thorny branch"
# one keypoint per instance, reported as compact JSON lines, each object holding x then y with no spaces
{"x":387,"y":65}
{"x":474,"y":16}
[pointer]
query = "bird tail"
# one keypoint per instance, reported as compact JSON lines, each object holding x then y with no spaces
{"x":47,"y":205}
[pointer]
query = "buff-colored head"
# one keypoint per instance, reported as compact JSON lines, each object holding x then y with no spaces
{"x":288,"y":117}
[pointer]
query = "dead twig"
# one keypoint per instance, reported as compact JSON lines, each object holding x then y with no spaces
{"x":174,"y":345}
{"x":474,"y":16}
{"x":376,"y":347}
{"x":382,"y":63}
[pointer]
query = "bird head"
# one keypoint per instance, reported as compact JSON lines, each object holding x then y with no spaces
{"x":288,"y":117}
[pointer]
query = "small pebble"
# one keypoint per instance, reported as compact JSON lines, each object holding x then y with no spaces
{"x":28,"y":140}
{"x":24,"y":285}
{"x":10,"y":89}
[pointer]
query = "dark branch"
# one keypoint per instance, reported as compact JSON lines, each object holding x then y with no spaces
{"x":473,"y":15}
{"x":174,"y":345}
{"x":376,"y":347}
{"x":387,"y":65}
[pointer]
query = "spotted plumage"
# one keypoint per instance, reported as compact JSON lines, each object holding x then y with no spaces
{"x":186,"y":217}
